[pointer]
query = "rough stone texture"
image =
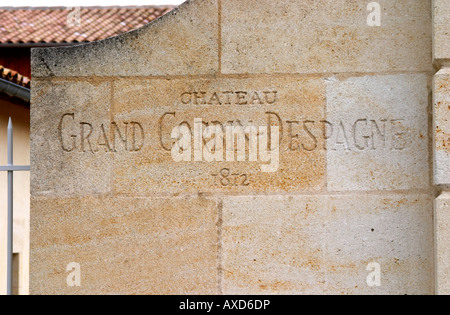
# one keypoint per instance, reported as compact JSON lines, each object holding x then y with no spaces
{"x":189,"y":48}
{"x":125,"y":245}
{"x":441,"y":41}
{"x":442,"y":127}
{"x":353,"y":185}
{"x":316,"y":36}
{"x":442,"y":227}
{"x":383,"y":140}
{"x":441,"y":145}
{"x":158,"y":106}
{"x":55,"y":171}
{"x":323,"y":244}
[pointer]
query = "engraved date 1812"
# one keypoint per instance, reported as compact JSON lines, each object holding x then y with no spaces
{"x":227,"y":178}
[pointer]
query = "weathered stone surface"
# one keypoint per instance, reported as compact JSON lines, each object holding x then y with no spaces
{"x":382,"y":137}
{"x":295,"y":105}
{"x":441,"y":133}
{"x":60,"y":162}
{"x":442,"y":127}
{"x":125,"y":245}
{"x":264,"y":36}
{"x":183,"y":42}
{"x":323,"y":244}
{"x":441,"y":33}
{"x":442,"y":226}
{"x":352,"y":187}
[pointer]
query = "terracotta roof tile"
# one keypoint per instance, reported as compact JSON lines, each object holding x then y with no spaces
{"x":49,"y":25}
{"x":14,"y":77}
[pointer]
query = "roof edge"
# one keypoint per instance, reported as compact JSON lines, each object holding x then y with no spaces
{"x":53,"y":20}
{"x":15,"y":90}
{"x":40,"y":45}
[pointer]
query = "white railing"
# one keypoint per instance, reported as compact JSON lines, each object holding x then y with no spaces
{"x":10,"y":168}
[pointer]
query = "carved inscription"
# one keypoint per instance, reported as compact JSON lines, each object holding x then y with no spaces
{"x":229,"y":98}
{"x":82,"y":136}
{"x":295,"y":133}
{"x":228,"y":178}
{"x":364,"y":134}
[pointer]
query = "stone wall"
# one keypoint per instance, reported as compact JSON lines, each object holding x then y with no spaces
{"x":441,"y":141}
{"x":138,"y":179}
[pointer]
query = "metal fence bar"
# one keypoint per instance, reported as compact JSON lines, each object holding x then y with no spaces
{"x":15,"y":168}
{"x":11,"y":168}
{"x":10,"y":210}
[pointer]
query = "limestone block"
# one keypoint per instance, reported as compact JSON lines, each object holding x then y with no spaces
{"x":442,"y":127}
{"x":124,"y":245}
{"x":324,"y":244}
{"x":441,"y":21}
{"x":295,"y":105}
{"x":442,"y":238}
{"x":183,"y":42}
{"x":382,"y":137}
{"x":265,"y":36}
{"x":63,"y":163}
